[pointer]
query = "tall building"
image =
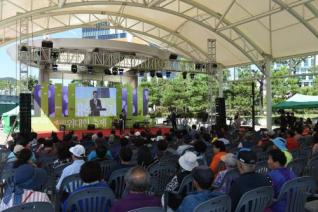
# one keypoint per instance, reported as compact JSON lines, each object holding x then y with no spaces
{"x":303,"y":68}
{"x":102,"y":33}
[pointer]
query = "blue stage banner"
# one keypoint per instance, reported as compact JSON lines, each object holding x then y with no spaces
{"x":145,"y":101}
{"x":37,"y":100}
{"x":65,"y":101}
{"x":135,"y":102}
{"x":51,"y":100}
{"x":124,"y":99}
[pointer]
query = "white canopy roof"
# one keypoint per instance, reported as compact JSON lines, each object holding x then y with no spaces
{"x":245,"y":30}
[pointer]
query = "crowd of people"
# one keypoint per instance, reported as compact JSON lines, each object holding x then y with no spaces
{"x":206,"y":154}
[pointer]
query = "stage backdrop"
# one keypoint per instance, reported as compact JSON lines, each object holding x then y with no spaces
{"x":75,"y":107}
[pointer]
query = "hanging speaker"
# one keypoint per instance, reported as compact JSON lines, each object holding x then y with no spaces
{"x":25,"y":113}
{"x":220,"y":112}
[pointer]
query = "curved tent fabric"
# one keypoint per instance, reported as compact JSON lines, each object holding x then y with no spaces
{"x":246,"y":31}
{"x":298,"y":101}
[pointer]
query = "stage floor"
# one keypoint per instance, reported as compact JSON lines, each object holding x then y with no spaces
{"x":106,"y":132}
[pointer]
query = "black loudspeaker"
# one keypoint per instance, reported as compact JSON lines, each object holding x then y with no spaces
{"x":12,"y":119}
{"x":220,"y":112}
{"x":173,"y":57}
{"x":91,"y":127}
{"x":47,"y":44}
{"x":25,"y":113}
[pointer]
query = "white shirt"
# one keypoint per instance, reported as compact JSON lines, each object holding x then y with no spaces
{"x":27,"y":197}
{"x":74,"y":168}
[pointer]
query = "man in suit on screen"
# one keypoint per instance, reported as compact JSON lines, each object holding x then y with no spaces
{"x":95,"y":104}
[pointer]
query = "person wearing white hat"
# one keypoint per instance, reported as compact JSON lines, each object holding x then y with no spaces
{"x":187,"y":162}
{"x":78,"y":154}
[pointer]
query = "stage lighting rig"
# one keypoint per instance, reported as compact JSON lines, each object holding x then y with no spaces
{"x":115,"y":70}
{"x":184,"y":75}
{"x":74,"y":68}
{"x":121,"y":71}
{"x":152,"y":73}
{"x":54,"y":67}
{"x":159,"y":74}
{"x":107,"y":71}
{"x":90,"y":69}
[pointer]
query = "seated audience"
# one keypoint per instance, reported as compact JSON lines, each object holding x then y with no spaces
{"x":230,"y":163}
{"x":13,"y":155}
{"x":280,"y":143}
{"x":137,"y":182}
{"x":63,"y":154}
{"x":218,"y":150}
{"x":292,"y":143}
{"x":187,"y":163}
{"x":26,"y":180}
{"x":184,"y":146}
{"x":163,"y":154}
{"x":91,"y":174}
{"x":23,"y":157}
{"x":144,"y":156}
{"x":78,"y":154}
{"x":202,"y":180}
{"x":125,"y":156}
{"x":46,"y":149}
{"x":315,"y":146}
{"x":200,"y":148}
{"x":248,"y":179}
{"x":279,"y":175}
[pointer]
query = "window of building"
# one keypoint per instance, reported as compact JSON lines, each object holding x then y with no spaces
{"x":306,"y":84}
{"x":306,"y":62}
{"x":310,"y":77}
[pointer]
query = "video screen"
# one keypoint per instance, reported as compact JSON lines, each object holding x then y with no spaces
{"x":92,"y":101}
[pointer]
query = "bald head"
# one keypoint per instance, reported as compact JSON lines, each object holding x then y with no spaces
{"x":137,"y":179}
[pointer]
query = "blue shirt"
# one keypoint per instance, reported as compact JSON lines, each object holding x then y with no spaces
{"x":92,"y":155}
{"x":279,"y":177}
{"x":192,"y":200}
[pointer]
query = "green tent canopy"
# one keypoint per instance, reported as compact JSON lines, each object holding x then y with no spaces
{"x":298,"y":101}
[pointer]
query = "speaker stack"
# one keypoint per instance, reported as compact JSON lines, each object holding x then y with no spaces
{"x":220,"y":112}
{"x":25,"y":113}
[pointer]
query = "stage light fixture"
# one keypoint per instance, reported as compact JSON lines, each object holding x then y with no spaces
{"x":168,"y":74}
{"x":121,"y":71}
{"x":152,"y":73}
{"x":192,"y":75}
{"x":90,"y":69}
{"x":54,"y":54}
{"x":74,"y":68}
{"x":24,"y":49}
{"x":107,"y":71}
{"x":159,"y":74}
{"x":54,"y":67}
{"x":184,"y":75}
{"x":115,"y":70}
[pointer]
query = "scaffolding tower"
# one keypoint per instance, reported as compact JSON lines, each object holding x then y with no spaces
{"x":23,"y":52}
{"x":211,"y":71}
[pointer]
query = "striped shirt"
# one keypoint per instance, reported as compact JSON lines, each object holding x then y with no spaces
{"x":27,"y":196}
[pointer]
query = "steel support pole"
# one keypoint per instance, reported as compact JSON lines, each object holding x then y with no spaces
{"x":268,"y":82}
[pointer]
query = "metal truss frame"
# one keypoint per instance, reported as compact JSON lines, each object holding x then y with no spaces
{"x":38,"y":56}
{"x":194,"y":12}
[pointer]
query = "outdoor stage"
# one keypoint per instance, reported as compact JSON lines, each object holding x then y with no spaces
{"x":106,"y":132}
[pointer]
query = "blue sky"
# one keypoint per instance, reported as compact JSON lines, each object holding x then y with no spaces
{"x":8,"y":66}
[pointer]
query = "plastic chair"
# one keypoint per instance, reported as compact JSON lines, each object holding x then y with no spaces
{"x":148,"y":209}
{"x":117,"y":181}
{"x":296,"y":192}
{"x":261,"y":167}
{"x":216,"y":204}
{"x":186,"y":185}
{"x":255,"y":200}
{"x":161,"y":174}
{"x":32,"y":207}
{"x":107,"y":167}
{"x":297,"y":166}
{"x":312,"y":169}
{"x":228,"y":178}
{"x":90,"y":199}
{"x":71,"y":183}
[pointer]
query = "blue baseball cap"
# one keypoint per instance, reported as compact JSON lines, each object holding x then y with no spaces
{"x":280,"y":143}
